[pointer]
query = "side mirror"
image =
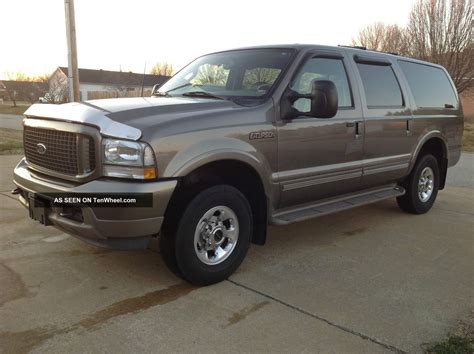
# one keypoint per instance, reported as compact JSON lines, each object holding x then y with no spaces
{"x":324,"y":99}
{"x":155,"y":88}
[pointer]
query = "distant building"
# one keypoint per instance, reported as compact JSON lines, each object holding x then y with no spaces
{"x":3,"y":91}
{"x":104,"y":83}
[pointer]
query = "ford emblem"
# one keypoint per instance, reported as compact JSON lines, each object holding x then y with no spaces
{"x":41,"y":148}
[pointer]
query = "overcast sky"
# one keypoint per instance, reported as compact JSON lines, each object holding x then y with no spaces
{"x":126,"y":34}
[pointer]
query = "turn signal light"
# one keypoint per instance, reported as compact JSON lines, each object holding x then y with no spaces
{"x":149,"y":173}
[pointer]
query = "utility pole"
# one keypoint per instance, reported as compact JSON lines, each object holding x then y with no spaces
{"x":143,"y":80}
{"x":72,"y":72}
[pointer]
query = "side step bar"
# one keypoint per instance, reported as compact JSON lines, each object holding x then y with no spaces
{"x":328,"y":207}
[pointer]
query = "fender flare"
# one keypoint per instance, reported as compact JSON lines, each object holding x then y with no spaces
{"x":199,"y":154}
{"x":422,"y":141}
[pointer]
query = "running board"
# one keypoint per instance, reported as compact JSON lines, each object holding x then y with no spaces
{"x":328,"y":207}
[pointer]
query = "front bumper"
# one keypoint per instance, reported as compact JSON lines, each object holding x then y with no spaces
{"x":111,"y":227}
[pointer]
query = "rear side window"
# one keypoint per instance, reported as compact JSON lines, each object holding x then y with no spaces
{"x":380,"y":85}
{"x":430,"y":85}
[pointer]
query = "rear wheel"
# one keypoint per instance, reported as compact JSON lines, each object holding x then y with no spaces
{"x":212,"y":236}
{"x":421,"y":186}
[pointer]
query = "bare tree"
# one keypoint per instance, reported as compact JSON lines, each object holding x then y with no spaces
{"x":57,"y":88}
{"x":383,"y":38}
{"x":21,"y":87}
{"x":441,"y":31}
{"x":164,"y":69}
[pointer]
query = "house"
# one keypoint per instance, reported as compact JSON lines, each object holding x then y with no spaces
{"x":104,"y":83}
{"x":3,"y":91}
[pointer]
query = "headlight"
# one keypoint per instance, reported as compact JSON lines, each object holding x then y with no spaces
{"x":128,"y":159}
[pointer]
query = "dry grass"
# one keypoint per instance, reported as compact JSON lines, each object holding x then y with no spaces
{"x":468,"y":137}
{"x":11,"y":141}
{"x":9,"y":109}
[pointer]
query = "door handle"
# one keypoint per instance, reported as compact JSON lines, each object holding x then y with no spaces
{"x":357,"y":125}
{"x":408,"y":126}
{"x":358,"y":128}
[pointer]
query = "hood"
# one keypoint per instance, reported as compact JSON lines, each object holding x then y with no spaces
{"x":129,"y":117}
{"x":143,"y":113}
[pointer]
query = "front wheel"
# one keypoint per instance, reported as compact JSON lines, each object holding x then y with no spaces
{"x":212,"y":237}
{"x":421,"y":186}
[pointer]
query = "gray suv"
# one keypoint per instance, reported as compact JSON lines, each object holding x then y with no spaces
{"x":240,"y":139}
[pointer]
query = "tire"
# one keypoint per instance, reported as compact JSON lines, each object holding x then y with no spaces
{"x":221,"y":215}
{"x":412,"y":201}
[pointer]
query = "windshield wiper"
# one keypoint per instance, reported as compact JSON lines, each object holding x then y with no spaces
{"x":181,"y":86}
{"x":202,"y":94}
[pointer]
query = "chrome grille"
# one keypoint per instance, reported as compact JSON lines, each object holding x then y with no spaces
{"x":66,"y":153}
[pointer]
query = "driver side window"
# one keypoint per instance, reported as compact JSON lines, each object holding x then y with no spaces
{"x":322,"y":69}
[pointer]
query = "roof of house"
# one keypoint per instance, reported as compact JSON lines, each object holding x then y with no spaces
{"x":23,"y":85}
{"x":120,"y":78}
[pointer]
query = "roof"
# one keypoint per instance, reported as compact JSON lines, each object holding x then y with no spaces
{"x":120,"y":78}
{"x":351,"y":49}
{"x":23,"y":85}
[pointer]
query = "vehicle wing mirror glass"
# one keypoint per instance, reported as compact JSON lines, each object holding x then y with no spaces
{"x":324,"y":99}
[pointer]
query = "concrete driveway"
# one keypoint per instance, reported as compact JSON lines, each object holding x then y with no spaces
{"x":366,"y":280}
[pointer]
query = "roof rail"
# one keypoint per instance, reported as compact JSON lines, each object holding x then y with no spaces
{"x":353,"y":46}
{"x":365,"y":48}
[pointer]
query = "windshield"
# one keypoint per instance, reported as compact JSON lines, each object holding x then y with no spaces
{"x":245,"y":74}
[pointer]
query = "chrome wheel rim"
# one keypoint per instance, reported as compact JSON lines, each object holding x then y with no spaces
{"x":425,"y":184}
{"x":216,"y":235}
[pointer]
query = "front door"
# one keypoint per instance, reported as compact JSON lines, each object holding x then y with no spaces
{"x":320,"y":158}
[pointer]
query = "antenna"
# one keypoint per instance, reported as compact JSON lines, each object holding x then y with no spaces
{"x":353,"y":46}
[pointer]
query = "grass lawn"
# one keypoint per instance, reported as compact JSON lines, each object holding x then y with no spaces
{"x":11,"y":141}
{"x":7,"y":108}
{"x":468,"y":137}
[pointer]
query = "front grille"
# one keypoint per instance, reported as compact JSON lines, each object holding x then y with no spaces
{"x":66,"y":153}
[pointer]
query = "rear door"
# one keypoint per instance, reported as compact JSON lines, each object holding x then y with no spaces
{"x":320,"y":158}
{"x":388,"y":120}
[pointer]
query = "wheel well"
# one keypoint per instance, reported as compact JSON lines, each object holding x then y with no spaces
{"x":437,"y":148}
{"x":235,"y":173}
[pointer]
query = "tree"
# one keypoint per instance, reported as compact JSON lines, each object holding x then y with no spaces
{"x":57,"y":89}
{"x":440,"y":31}
{"x":163,"y":69}
{"x":383,"y":38}
{"x":22,"y":87}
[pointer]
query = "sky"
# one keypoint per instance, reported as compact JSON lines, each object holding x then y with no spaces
{"x":126,"y":35}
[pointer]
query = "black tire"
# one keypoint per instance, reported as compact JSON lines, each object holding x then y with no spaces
{"x":410,"y":202}
{"x":177,"y":243}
